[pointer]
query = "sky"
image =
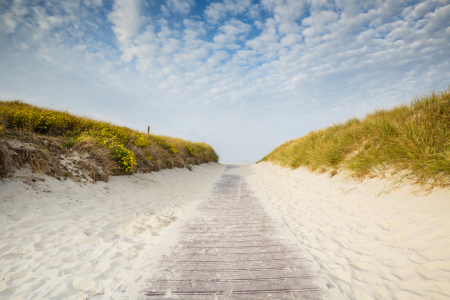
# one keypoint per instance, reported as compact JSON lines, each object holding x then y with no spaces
{"x":243,"y":76}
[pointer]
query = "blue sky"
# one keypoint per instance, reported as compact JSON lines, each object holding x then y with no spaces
{"x":243,"y":76}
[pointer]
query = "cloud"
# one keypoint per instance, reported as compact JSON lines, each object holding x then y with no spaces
{"x":268,"y":41}
{"x":94,"y":3}
{"x":44,"y":21}
{"x":230,"y":32}
{"x":254,"y":11}
{"x":8,"y":23}
{"x":437,"y":20}
{"x":234,"y":28}
{"x":165,"y":11}
{"x":127,"y":20}
{"x":218,"y":10}
{"x":11,"y":17}
{"x":193,"y":29}
{"x":180,"y":6}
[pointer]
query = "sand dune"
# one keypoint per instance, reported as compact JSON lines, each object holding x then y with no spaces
{"x":374,"y":241}
{"x":72,"y":240}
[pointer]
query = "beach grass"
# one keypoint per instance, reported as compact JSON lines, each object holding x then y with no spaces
{"x":411,"y":140}
{"x":117,"y":149}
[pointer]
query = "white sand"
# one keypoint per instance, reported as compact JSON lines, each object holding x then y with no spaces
{"x":71,"y":240}
{"x":374,"y":242}
{"x":67,"y":240}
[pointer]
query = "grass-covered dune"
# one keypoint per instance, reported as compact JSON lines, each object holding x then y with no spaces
{"x":408,"y":140}
{"x":58,"y":143}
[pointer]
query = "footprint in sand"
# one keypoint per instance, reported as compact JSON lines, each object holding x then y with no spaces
{"x":83,"y":255}
{"x":19,"y":275}
{"x":16,"y":216}
{"x":84,"y":239}
{"x":30,"y":223}
{"x":40,"y":246}
{"x":8,"y":292}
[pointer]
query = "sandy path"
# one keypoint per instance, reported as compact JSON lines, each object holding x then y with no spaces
{"x":232,"y":246}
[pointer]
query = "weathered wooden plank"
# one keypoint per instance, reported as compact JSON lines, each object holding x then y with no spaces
{"x":232,"y":249}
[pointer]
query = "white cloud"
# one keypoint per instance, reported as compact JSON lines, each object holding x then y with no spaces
{"x":437,"y":20}
{"x":218,"y":10}
{"x":180,"y":6}
{"x":217,"y":57}
{"x":127,"y":19}
{"x":414,"y":13}
{"x":235,"y":27}
{"x":268,"y":41}
{"x":230,"y":32}
{"x":193,"y":29}
{"x":254,"y":11}
{"x":12,"y":16}
{"x":44,"y":21}
{"x":94,"y":3}
{"x":318,"y":23}
{"x":7,"y":22}
{"x":165,"y":11}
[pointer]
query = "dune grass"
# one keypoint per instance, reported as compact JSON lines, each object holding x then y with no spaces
{"x":412,"y":140}
{"x":127,"y":150}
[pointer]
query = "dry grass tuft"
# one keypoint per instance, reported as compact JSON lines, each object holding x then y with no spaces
{"x":96,"y":160}
{"x":411,"y":141}
{"x":40,"y":160}
{"x":5,"y":159}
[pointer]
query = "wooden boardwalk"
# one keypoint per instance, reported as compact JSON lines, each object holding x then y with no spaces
{"x":231,"y":249}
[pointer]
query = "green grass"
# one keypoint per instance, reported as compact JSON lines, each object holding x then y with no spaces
{"x":412,"y":139}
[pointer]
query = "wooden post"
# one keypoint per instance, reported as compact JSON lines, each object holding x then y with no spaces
{"x":148,"y":130}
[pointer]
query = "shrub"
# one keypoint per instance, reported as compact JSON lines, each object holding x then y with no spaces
{"x":124,"y":157}
{"x":190,"y":150}
{"x":171,"y":148}
{"x":141,"y":141}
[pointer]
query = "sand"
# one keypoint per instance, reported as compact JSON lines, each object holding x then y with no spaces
{"x":374,"y":241}
{"x":78,"y":240}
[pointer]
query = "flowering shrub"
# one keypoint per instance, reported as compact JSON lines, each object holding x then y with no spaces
{"x":40,"y":119}
{"x":171,"y":147}
{"x":189,"y":150}
{"x":141,"y":141}
{"x":105,"y":132}
{"x":123,"y":156}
